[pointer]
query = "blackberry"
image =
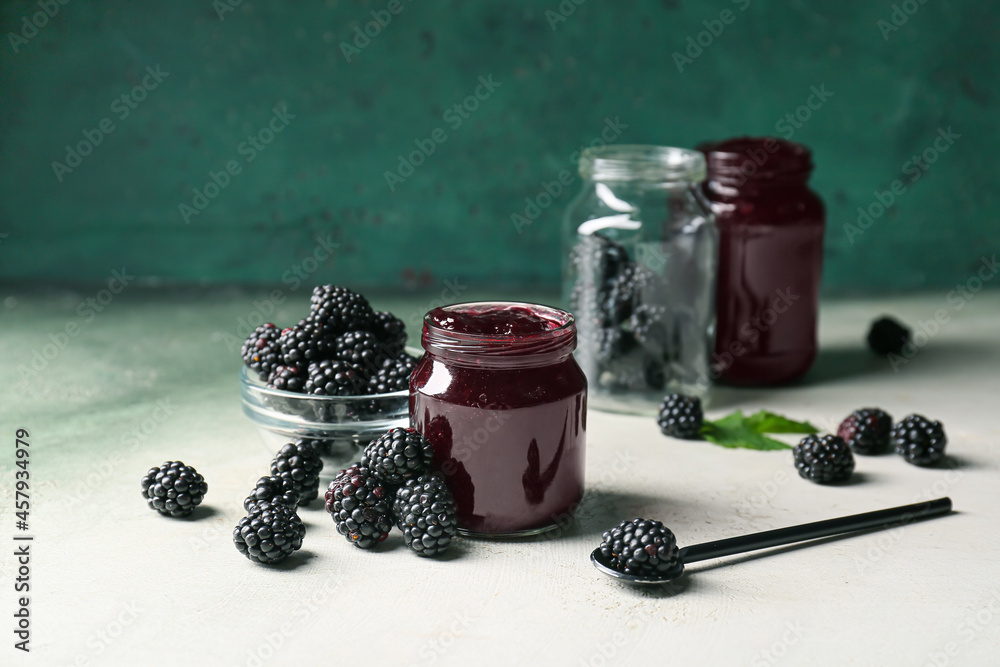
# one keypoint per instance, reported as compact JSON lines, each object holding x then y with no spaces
{"x":269,"y":534}
{"x":866,"y":431}
{"x":887,"y":336}
{"x":276,"y":490}
{"x":424,"y":509}
{"x":307,"y":341}
{"x":393,"y":375}
{"x":641,"y":547}
{"x":341,"y":310}
{"x":824,"y":459}
{"x":173,"y":489}
{"x":680,"y":416}
{"x":598,"y":259}
{"x":331,"y":377}
{"x":919,"y":440}
{"x":390,"y":331}
{"x":261,"y":352}
{"x":359,"y":348}
{"x":300,"y":462}
{"x":397,"y":455}
{"x":649,"y":328}
{"x":360,"y":506}
{"x":287,"y":378}
{"x":623,"y":293}
{"x":614,"y":343}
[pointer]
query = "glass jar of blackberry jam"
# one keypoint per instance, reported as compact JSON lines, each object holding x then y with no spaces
{"x":504,"y":403}
{"x":770,"y":258}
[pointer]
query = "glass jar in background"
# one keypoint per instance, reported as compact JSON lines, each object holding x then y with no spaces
{"x":770,"y":258}
{"x":504,"y":403}
{"x":639,"y":275}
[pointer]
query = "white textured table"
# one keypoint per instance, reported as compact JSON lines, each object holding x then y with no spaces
{"x":150,"y":378}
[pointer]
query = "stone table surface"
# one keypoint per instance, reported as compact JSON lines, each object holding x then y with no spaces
{"x":148,"y":376}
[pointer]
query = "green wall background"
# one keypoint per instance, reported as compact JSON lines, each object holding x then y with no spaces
{"x":322,"y":177}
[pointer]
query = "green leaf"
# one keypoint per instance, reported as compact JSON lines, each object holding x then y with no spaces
{"x":735,"y":430}
{"x":768,"y":422}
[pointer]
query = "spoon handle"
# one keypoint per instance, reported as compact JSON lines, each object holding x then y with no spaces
{"x":811,"y":531}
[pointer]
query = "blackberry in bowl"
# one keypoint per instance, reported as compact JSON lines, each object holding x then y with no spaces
{"x":340,"y":374}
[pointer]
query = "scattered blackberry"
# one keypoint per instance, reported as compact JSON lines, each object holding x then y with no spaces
{"x":269,"y":534}
{"x":360,"y":506}
{"x":614,"y":343}
{"x":824,"y":459}
{"x":341,"y":310}
{"x":261,"y":352}
{"x":173,"y":489}
{"x":641,"y":547}
{"x":287,"y":378}
{"x":887,"y":336}
{"x":359,"y":348}
{"x":680,"y":416}
{"x":331,"y":377}
{"x":866,"y":431}
{"x":300,"y":462}
{"x":307,"y":341}
{"x":623,"y":293}
{"x":393,"y":375}
{"x":919,"y":440}
{"x":390,"y":330}
{"x":276,"y":490}
{"x":424,"y":509}
{"x":397,"y":455}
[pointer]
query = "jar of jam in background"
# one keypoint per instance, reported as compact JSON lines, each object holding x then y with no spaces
{"x":502,"y":399}
{"x":639,"y":275}
{"x":770,"y":258}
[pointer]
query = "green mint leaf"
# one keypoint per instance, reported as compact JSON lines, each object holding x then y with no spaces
{"x":768,"y":422}
{"x":734,"y":430}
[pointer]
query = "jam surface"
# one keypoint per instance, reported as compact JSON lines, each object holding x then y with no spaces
{"x":508,"y":436}
{"x":513,"y":320}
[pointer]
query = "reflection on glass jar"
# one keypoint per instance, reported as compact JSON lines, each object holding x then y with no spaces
{"x":639,"y":275}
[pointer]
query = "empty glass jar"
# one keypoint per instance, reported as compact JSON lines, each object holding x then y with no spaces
{"x":639,"y":275}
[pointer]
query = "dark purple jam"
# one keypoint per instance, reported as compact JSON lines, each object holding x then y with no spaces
{"x":502,"y":399}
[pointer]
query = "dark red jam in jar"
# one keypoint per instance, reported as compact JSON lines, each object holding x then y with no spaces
{"x":770,"y":258}
{"x":502,"y":399}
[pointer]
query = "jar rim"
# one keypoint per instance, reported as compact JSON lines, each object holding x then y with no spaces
{"x":502,"y":350}
{"x":642,"y":162}
{"x":757,"y":159}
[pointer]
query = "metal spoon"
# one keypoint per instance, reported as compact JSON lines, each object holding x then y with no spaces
{"x":772,"y":538}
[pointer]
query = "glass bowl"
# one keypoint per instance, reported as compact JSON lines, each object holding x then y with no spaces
{"x":357,"y":419}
